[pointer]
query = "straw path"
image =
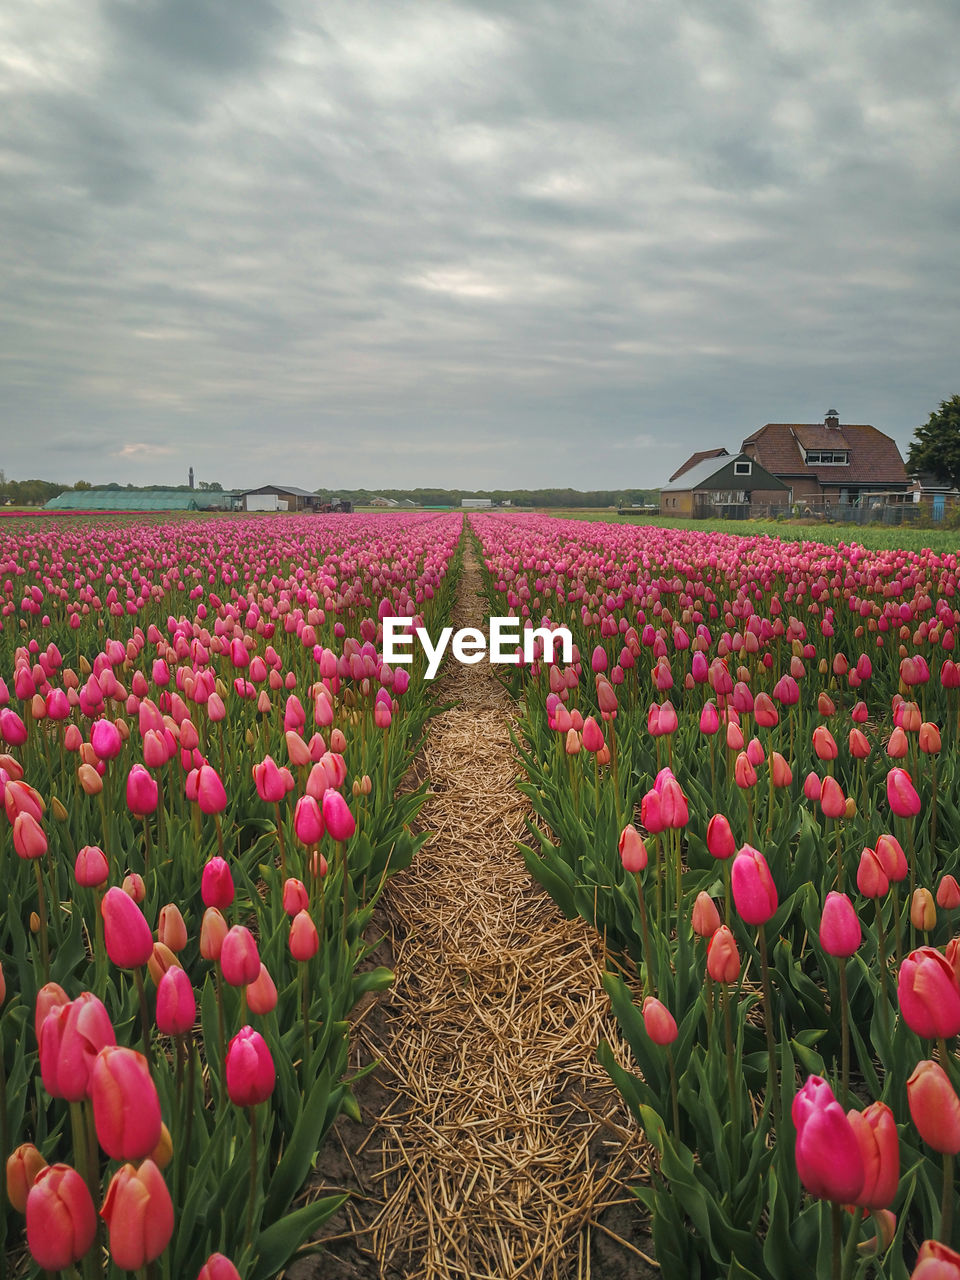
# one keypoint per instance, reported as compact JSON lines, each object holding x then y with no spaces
{"x":501,"y":1141}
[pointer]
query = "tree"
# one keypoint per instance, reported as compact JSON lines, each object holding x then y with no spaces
{"x":936,"y":446}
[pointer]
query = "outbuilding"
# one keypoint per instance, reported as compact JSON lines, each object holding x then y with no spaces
{"x":723,"y":485}
{"x":273,"y":497}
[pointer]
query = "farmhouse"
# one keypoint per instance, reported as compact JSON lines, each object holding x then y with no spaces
{"x":826,"y":462}
{"x":719,"y":484}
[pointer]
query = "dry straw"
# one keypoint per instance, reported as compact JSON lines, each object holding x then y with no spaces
{"x":505,"y":1140}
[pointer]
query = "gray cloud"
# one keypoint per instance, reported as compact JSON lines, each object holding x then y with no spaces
{"x":475,"y":244}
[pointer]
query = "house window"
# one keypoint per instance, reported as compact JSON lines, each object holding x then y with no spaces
{"x":742,"y":468}
{"x":827,"y":457}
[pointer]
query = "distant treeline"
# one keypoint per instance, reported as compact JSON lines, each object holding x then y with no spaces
{"x":37,"y":492}
{"x":516,"y":497}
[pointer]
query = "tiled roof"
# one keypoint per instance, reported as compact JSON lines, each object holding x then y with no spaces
{"x":874,"y":457}
{"x":696,"y":458}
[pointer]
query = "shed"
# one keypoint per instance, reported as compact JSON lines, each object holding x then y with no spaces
{"x":278,"y":497}
{"x":144,"y":500}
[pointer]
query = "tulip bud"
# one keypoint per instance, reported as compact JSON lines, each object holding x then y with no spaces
{"x":126,"y":1108}
{"x":892,"y":858}
{"x":781,"y":775}
{"x":239,"y":958}
{"x":262,"y":993}
{"x":901,"y":794}
{"x":872,"y":880}
{"x":216,"y":884}
{"x":295,"y":897}
{"x":138,"y":1212}
{"x":929,"y":739}
{"x":948,"y":893}
{"x":923,"y":913}
{"x":127,"y":935}
{"x":22,"y":1169}
{"x":876,"y":1132}
{"x":218,"y":1267}
{"x":723,"y":958}
{"x":832,"y":800}
{"x":213,"y":930}
{"x":929,"y":994}
{"x":840,"y":934}
{"x":936,"y":1261}
{"x":705,"y":918}
{"x":91,"y":869}
{"x":935,"y":1107}
{"x":337,"y":816}
{"x":162,"y":1153}
{"x":754,"y":892}
{"x":633,"y":851}
{"x":827,"y":1152}
{"x":659,"y":1022}
{"x":134,"y":887}
{"x":304,"y":939}
{"x":70,"y":1037}
{"x":171,"y":930}
{"x":812,"y":786}
{"x":250,"y":1071}
{"x":720,"y":841}
{"x":176,"y":1003}
{"x":61,"y":1218}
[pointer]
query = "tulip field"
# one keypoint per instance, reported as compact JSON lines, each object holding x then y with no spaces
{"x":200,"y":769}
{"x":745,"y":781}
{"x":748,"y":779}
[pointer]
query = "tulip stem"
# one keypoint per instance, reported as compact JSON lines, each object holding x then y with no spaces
{"x":42,"y":912}
{"x":673,"y":1093}
{"x":850,"y":1249}
{"x":882,"y":955}
{"x":836,"y":1214}
{"x":946,"y":1203}
{"x":283,"y":851}
{"x":305,"y":1005}
{"x":252,"y":1112}
{"x":650,"y":981}
{"x":844,"y":1034}
{"x":731,"y":1081}
{"x":768,"y":1025}
{"x":342,"y":848}
{"x":144,"y":1015}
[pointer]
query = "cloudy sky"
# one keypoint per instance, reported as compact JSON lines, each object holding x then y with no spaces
{"x":399,"y":242}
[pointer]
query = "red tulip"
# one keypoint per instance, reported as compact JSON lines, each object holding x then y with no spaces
{"x":239,"y":957}
{"x":659,"y":1021}
{"x":705,"y":918}
{"x":824,"y":744}
{"x":337,"y":816}
{"x":633,"y":851}
{"x":262,"y":992}
{"x":744,"y":774}
{"x":892,"y":858}
{"x":781,"y":775}
{"x":138,"y":1212}
{"x":295,"y":897}
{"x":71,"y":1036}
{"x":142,"y":792}
{"x":840,"y":934}
{"x":270,"y":784}
{"x":250,"y":1071}
{"x":308,"y":822}
{"x":872,"y":880}
{"x":876,"y":1132}
{"x":901,"y":795}
{"x":304,"y":939}
{"x":176,"y":1003}
{"x":754,"y":892}
{"x":948,"y":893}
{"x":91,"y":869}
{"x":720,"y":839}
{"x":827,"y":1151}
{"x":127,"y":935}
{"x":723,"y":958}
{"x":126,"y":1108}
{"x":216,"y":884}
{"x":832,"y":800}
{"x":211,"y":796}
{"x":61,"y":1218}
{"x":935,"y":1261}
{"x":935,"y":1107}
{"x":218,"y":1267}
{"x":929,"y":994}
{"x":29,"y":840}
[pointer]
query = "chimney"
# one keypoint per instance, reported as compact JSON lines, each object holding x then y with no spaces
{"x":832,"y":420}
{"x":191,"y":477}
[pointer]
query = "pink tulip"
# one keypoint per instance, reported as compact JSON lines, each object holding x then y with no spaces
{"x":827,"y":1152}
{"x":929,"y":994}
{"x":127,"y":935}
{"x":901,"y":795}
{"x":754,"y":892}
{"x":840,"y":933}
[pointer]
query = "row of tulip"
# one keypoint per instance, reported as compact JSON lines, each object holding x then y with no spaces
{"x":749,"y":791}
{"x":202,"y":803}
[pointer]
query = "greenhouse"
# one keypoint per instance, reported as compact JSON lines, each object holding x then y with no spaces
{"x":144,"y":500}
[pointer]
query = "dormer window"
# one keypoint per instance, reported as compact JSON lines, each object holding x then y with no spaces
{"x":827,"y":457}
